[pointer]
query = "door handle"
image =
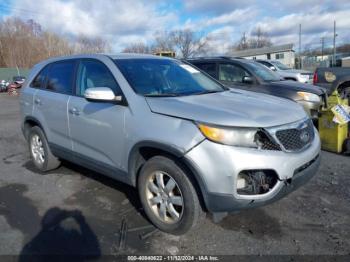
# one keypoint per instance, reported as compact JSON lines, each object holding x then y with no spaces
{"x":74,"y":111}
{"x":37,"y":101}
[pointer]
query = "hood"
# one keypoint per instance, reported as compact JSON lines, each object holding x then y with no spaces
{"x":298,"y":86}
{"x":297,"y":71}
{"x":230,"y":108}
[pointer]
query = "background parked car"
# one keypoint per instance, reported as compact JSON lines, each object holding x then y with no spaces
{"x":3,"y":86}
{"x":249,"y":75}
{"x":288,"y":73}
{"x":19,"y":79}
{"x":332,"y":78}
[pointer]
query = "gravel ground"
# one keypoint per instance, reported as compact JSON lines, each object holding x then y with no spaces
{"x":80,"y":211}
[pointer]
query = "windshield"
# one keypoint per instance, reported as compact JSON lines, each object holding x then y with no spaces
{"x":280,"y":66}
{"x":165,"y":77}
{"x":263,"y":72}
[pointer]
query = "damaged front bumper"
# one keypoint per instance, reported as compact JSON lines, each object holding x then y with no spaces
{"x":218,"y":168}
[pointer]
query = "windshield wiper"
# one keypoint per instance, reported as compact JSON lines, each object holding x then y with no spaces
{"x":206,"y":92}
{"x":162,"y":95}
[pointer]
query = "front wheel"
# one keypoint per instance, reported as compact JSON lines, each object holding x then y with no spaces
{"x":168,"y":196}
{"x":39,"y":150}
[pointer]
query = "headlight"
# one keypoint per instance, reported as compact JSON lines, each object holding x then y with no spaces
{"x":244,"y":137}
{"x":309,"y":97}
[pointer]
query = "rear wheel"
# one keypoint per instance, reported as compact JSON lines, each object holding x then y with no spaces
{"x":39,"y":150}
{"x":168,"y":196}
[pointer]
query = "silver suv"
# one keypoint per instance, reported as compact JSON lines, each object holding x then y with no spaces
{"x":288,"y":73}
{"x":187,"y":143}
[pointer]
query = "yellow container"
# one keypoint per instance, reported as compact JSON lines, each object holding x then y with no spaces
{"x":332,"y":134}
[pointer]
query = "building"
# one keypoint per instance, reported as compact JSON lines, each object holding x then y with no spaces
{"x":282,"y":53}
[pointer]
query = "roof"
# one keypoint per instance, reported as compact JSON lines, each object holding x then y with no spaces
{"x":6,"y":73}
{"x":264,"y":50}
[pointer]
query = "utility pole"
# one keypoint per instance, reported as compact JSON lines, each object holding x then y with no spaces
{"x":300,"y":63}
{"x":322,"y":48}
{"x":334,"y":46}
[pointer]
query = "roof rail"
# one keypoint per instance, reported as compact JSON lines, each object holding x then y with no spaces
{"x":215,"y":57}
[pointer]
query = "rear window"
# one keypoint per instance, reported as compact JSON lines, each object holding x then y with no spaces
{"x":60,"y":77}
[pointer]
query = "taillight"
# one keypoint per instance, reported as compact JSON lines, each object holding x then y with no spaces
{"x":315,"y":78}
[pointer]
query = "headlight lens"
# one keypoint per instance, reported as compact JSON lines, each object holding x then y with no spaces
{"x":244,"y":137}
{"x":309,"y":97}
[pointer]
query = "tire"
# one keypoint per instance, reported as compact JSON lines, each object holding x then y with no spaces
{"x":40,"y":152}
{"x":189,"y":213}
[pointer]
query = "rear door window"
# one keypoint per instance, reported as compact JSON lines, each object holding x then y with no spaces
{"x":60,"y":77}
{"x":231,"y":73}
{"x":209,"y":68}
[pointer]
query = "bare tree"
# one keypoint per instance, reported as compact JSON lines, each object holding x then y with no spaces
{"x":257,"y":39}
{"x":137,"y":48}
{"x":162,"y":42}
{"x":242,"y":44}
{"x":185,"y":43}
{"x":25,"y":43}
{"x":85,"y":44}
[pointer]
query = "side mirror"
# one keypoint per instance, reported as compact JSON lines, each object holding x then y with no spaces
{"x":247,"y":80}
{"x":273,"y":68}
{"x":101,"y":94}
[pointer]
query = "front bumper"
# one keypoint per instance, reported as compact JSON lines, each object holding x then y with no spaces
{"x":218,"y":166}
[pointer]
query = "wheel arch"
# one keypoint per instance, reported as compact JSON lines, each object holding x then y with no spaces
{"x":145,"y":150}
{"x":30,"y":122}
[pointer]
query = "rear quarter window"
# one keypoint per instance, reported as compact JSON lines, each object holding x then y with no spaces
{"x":39,"y":80}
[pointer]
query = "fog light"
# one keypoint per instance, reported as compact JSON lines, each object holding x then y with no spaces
{"x":241,"y":182}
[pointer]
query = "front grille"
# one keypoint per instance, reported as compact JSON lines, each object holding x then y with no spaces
{"x":295,"y":139}
{"x":266,"y":142}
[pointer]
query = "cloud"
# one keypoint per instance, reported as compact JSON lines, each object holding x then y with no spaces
{"x":234,"y":18}
{"x":316,"y":24}
{"x":216,"y":6}
{"x":123,"y":22}
{"x":119,"y":21}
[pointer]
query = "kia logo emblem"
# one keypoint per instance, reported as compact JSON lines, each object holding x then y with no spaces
{"x":305,"y":136}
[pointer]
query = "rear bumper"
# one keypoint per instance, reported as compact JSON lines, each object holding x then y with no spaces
{"x":228,"y":203}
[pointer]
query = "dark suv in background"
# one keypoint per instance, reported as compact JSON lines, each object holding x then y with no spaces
{"x":252,"y":76}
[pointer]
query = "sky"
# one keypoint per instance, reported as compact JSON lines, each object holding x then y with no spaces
{"x":224,"y":21}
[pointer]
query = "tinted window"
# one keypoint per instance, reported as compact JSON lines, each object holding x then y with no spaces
{"x":262,"y":72}
{"x":60,"y":77}
{"x":165,"y":77}
{"x":93,"y":73}
{"x":280,"y":65}
{"x":38,"y":81}
{"x":265,"y":63}
{"x":231,"y":73}
{"x":208,"y":68}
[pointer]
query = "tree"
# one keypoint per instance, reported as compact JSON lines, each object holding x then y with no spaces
{"x":25,"y":43}
{"x":242,"y":44}
{"x":137,"y":48}
{"x":85,"y":44}
{"x":186,"y":43}
{"x":257,"y":39}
